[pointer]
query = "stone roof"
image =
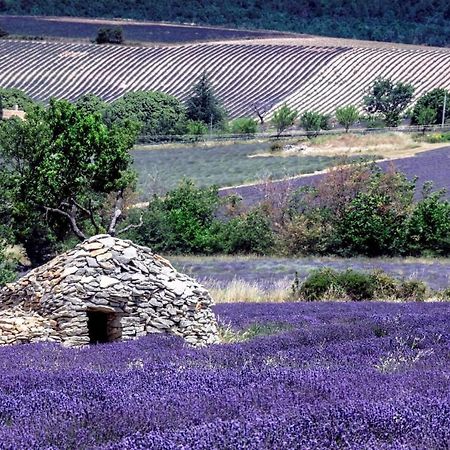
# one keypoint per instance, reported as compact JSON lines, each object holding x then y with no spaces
{"x":112,"y":275}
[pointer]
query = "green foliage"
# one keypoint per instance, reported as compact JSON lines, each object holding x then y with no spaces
{"x":429,"y":226}
{"x":432,"y":100}
{"x":91,"y":104}
{"x":415,"y":22}
{"x":425,"y":117}
{"x":283,"y":118}
{"x":109,"y":36}
{"x":248,"y":233}
{"x":59,"y":167}
{"x":181,"y":222}
{"x":203,"y":105}
{"x":329,"y":284}
{"x":11,"y":97}
{"x":352,"y":210}
{"x":412,"y":290}
{"x":313,"y":122}
{"x":244,"y":125}
{"x":437,"y":138}
{"x":347,"y":116}
{"x":370,"y":226}
{"x":157,"y":113}
{"x":388,"y":99}
{"x":185,"y":221}
{"x":7,"y":268}
{"x":196,"y":128}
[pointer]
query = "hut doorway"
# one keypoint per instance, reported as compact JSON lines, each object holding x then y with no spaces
{"x":99,"y":327}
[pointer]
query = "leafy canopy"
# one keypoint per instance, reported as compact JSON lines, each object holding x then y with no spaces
{"x":65,"y":163}
{"x":157,"y":113}
{"x":347,"y":116}
{"x":388,"y":99}
{"x":283,"y":118}
{"x":433,"y":100}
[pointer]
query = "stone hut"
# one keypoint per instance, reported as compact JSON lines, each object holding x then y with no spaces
{"x":105,"y":289}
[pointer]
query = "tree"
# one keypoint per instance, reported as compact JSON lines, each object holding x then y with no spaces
{"x":90,"y":104}
{"x":158,"y":114}
{"x":109,"y":36}
{"x":347,"y":116}
{"x":425,"y":117}
{"x":284,"y":118}
{"x":59,"y":167}
{"x":313,"y":122}
{"x":203,"y":105}
{"x":433,"y":100}
{"x":388,"y":99}
{"x":11,"y":97}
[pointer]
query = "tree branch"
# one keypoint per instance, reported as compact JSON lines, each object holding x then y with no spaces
{"x":72,"y":220}
{"x":116,"y":213}
{"x":131,"y":226}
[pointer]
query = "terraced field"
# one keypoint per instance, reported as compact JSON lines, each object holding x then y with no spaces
{"x":305,"y":73}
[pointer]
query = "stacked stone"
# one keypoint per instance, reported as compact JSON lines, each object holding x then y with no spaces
{"x":17,"y":325}
{"x":141,"y":292}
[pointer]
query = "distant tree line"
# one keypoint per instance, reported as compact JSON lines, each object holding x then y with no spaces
{"x":417,"y":22}
{"x":162,"y":117}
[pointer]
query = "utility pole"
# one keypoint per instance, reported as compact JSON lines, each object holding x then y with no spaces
{"x":443,"y":109}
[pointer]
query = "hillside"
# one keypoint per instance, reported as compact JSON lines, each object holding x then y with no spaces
{"x":408,"y":21}
{"x":307,"y":73}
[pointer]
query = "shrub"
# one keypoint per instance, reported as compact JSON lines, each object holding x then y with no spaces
{"x":317,"y":284}
{"x":109,"y":36}
{"x":313,"y":122}
{"x":276,"y":146}
{"x":412,"y":290}
{"x":429,"y":226}
{"x":196,"y":129}
{"x":357,"y":285}
{"x":244,"y":125}
{"x":283,"y":118}
{"x":248,"y":233}
{"x":322,"y":284}
{"x":181,"y":222}
{"x":158,"y":114}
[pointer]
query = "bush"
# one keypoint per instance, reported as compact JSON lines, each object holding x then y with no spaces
{"x":181,"y":222}
{"x":313,"y":122}
{"x":109,"y":36}
{"x":412,"y":290}
{"x":428,"y":228}
{"x":328,"y":284}
{"x":244,"y":125}
{"x":248,"y":233}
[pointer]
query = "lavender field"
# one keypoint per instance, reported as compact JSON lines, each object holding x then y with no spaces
{"x":432,"y":165}
{"x":134,"y":31}
{"x":161,"y":169}
{"x":267,"y":272}
{"x":309,"y":376}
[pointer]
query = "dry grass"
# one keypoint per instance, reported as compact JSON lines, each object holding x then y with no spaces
{"x":16,"y":253}
{"x":244,"y":291}
{"x":388,"y":145}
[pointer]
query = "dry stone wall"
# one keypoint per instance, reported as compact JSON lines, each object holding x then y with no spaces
{"x":138,"y":291}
